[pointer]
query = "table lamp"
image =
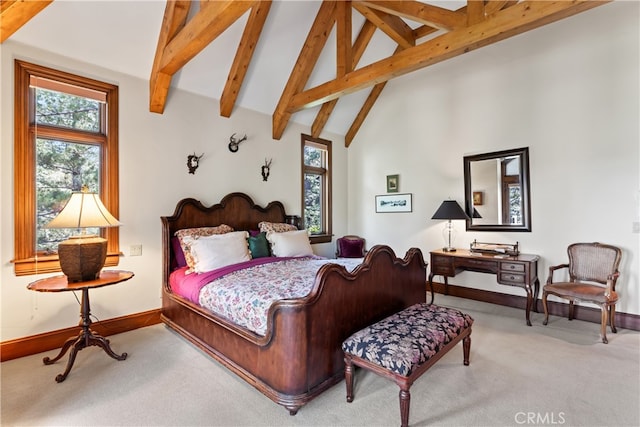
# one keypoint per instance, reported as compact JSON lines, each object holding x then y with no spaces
{"x":82,"y":256}
{"x":449,"y":210}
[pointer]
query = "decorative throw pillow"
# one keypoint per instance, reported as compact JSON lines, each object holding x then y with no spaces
{"x":220,"y":250}
{"x":188,"y":235}
{"x":351,"y":248}
{"x":290,"y":243}
{"x":259,"y":246}
{"x":178,"y":255}
{"x":275,"y":227}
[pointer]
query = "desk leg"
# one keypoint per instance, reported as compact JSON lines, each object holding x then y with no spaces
{"x":535,"y":295}
{"x":529,"y":303}
{"x":446,"y":285}
{"x":85,"y":338}
{"x":431,"y":286}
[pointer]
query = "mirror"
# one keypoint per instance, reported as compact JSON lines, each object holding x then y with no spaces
{"x":496,"y":191}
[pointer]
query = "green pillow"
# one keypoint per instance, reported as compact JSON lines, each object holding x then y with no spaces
{"x":259,"y":246}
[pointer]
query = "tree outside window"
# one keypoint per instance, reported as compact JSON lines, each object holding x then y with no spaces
{"x":316,"y":188}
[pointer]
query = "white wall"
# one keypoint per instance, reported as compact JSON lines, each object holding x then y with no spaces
{"x":153,"y":177}
{"x":568,"y":91}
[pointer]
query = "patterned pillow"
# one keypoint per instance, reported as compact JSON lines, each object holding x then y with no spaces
{"x":275,"y":227}
{"x":188,"y":235}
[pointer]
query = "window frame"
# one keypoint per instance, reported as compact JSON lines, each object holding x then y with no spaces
{"x":26,"y":259}
{"x":327,"y":212}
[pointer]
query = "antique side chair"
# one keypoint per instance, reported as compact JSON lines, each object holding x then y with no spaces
{"x":350,"y":246}
{"x":593,"y":272}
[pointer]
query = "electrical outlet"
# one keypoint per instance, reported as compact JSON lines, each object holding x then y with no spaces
{"x":135,"y":250}
{"x":636,"y":227}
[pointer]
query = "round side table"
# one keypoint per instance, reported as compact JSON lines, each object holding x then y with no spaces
{"x":86,"y":337}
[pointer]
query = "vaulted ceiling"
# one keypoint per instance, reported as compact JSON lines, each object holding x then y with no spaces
{"x":372,"y":43}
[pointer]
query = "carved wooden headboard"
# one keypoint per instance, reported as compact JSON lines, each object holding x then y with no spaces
{"x":236,"y":210}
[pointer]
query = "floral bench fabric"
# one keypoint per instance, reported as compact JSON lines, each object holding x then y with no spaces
{"x":406,"y":340}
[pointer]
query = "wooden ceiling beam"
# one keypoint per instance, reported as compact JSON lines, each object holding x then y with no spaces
{"x":522,"y":17}
{"x":202,"y":29}
{"x":175,"y":17}
{"x":493,"y":6}
{"x":366,"y":107}
{"x":358,"y":48}
{"x":362,"y":114}
{"x":245,"y":51}
{"x":422,"y":13}
{"x":364,"y":110}
{"x":475,"y":11}
{"x":344,"y":53}
{"x":14,"y":14}
{"x":311,"y":49}
{"x":391,"y":25}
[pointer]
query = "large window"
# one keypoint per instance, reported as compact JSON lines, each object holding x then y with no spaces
{"x":316,"y":188}
{"x":65,"y":138}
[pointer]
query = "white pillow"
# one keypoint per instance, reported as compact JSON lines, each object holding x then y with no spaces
{"x":220,"y":250}
{"x":290,"y":243}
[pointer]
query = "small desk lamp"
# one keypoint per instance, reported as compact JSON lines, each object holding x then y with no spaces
{"x":82,"y":257}
{"x":449,"y":209}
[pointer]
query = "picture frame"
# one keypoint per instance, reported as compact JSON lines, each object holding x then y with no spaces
{"x":393,"y":183}
{"x":477,"y":198}
{"x":394,"y":203}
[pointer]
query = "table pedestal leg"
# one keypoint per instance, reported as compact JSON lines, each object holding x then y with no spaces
{"x":85,"y":338}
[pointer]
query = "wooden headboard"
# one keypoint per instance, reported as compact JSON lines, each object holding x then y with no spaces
{"x":236,"y":210}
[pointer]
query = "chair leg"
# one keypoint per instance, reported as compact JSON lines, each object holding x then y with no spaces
{"x":348,"y":376}
{"x":603,"y":324}
{"x":570,"y":309}
{"x":546,"y":309}
{"x":612,"y":318}
{"x":405,"y":401}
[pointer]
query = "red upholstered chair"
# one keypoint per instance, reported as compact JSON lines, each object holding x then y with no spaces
{"x":350,"y":246}
{"x":593,"y":272}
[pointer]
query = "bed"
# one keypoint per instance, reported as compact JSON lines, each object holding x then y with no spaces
{"x":299,"y":355}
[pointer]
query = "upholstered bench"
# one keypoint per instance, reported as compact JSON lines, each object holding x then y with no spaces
{"x":404,"y":345}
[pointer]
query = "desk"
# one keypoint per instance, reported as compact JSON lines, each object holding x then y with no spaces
{"x":521,"y":270}
{"x":86,"y":337}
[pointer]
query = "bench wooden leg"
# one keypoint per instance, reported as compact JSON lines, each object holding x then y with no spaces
{"x":348,"y":377}
{"x":466,"y":348}
{"x":405,"y":400}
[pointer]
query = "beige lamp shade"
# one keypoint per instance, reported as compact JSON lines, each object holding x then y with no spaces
{"x":83,"y":210}
{"x":82,"y":257}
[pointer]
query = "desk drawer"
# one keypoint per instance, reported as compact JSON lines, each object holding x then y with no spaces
{"x":480,"y":265}
{"x":442,"y":265}
{"x":514,"y":279}
{"x":516,"y":267}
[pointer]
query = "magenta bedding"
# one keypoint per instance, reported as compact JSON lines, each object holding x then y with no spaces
{"x":244,"y":292}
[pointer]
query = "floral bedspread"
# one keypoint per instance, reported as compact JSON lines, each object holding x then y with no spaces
{"x":244,"y":296}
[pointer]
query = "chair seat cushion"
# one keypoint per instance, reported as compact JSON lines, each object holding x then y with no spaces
{"x":581,"y":291}
{"x":350,"y":248}
{"x":405,"y":340}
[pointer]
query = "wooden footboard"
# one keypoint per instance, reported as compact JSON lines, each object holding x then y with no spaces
{"x":301,"y":356}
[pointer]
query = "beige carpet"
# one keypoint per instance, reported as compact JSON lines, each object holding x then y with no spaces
{"x":560,"y":374}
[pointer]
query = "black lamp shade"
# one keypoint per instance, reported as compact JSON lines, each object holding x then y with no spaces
{"x":450,"y":209}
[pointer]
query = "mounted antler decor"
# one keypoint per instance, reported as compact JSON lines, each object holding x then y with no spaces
{"x":265,"y":169}
{"x":193,"y":162}
{"x":234,"y":143}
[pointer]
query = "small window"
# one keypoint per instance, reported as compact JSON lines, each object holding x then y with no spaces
{"x":66,"y":138}
{"x":316,"y":188}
